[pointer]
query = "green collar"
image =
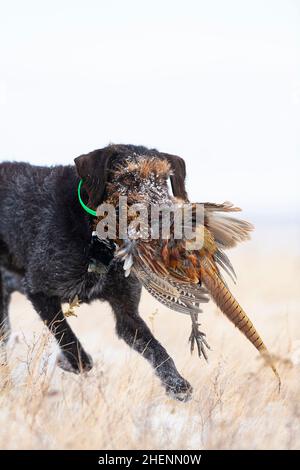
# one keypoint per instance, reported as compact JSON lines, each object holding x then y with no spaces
{"x":86,"y":208}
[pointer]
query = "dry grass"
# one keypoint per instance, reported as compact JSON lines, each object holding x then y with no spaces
{"x":120,"y":403}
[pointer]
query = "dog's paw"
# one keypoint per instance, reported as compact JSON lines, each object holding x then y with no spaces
{"x":85,"y":364}
{"x":180,"y":390}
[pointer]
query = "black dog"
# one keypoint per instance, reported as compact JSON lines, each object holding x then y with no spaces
{"x":45,"y":252}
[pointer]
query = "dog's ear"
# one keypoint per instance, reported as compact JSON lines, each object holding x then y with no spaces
{"x":93,"y":169}
{"x":178,"y":177}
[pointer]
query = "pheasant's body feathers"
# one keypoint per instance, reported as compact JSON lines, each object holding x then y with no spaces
{"x":177,"y":296}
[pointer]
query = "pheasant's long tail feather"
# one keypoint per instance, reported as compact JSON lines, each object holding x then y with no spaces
{"x":234,"y":312}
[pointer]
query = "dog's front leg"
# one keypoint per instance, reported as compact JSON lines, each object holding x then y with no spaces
{"x":134,"y":331}
{"x":4,"y":319}
{"x":73,"y":357}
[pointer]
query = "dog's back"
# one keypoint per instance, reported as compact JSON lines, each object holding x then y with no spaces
{"x":24,"y":197}
{"x":20,"y":187}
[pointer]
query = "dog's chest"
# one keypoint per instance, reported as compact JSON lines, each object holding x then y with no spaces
{"x":86,"y":280}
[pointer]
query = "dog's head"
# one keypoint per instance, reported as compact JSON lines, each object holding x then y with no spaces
{"x":97,"y":169}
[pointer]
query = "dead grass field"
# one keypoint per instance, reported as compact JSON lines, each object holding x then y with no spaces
{"x":120,"y":403}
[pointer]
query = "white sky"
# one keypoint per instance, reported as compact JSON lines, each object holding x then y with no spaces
{"x":217,"y":82}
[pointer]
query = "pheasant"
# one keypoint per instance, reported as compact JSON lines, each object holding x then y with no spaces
{"x":172,"y":270}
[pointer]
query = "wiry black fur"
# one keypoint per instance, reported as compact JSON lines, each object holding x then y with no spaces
{"x":44,"y":253}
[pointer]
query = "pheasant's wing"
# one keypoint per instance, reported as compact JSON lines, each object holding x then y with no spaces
{"x":227,"y":231}
{"x":182,"y":298}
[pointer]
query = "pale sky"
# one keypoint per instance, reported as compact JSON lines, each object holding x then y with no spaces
{"x":217,"y":82}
